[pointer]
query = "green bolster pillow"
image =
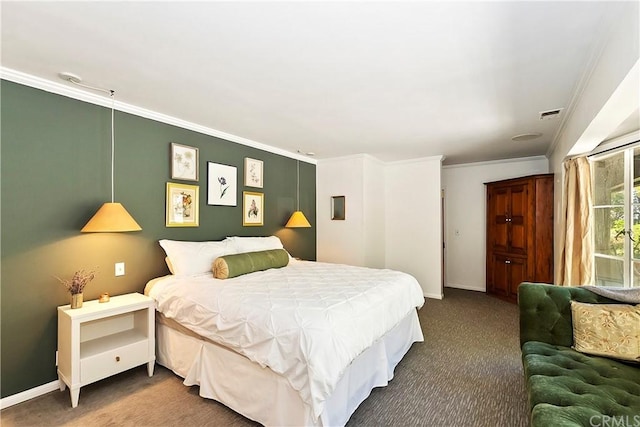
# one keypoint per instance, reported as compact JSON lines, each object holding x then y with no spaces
{"x":228,"y":266}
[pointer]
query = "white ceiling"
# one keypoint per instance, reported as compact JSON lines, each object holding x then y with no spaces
{"x":395,"y":80}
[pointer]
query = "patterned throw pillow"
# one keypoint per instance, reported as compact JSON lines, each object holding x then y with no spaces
{"x":610,"y":330}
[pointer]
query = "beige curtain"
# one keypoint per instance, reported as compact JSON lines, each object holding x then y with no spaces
{"x":575,"y":266}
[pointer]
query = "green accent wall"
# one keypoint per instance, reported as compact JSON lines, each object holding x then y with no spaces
{"x":55,"y":160}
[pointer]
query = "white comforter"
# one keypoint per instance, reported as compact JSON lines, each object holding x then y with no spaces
{"x":306,"y":321}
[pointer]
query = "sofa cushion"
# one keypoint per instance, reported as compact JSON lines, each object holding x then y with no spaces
{"x":567,"y":388}
{"x":545,"y":311}
{"x":608,"y":330}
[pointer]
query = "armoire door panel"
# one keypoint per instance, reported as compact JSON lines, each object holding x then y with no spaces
{"x":518,"y":220}
{"x":500,"y":237}
{"x":519,"y":202}
{"x":517,"y":275}
{"x":498,"y":213}
{"x":518,"y":240}
{"x":500,"y":284}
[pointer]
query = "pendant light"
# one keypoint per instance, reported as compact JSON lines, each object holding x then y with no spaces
{"x":112,"y":217}
{"x":298,"y":220}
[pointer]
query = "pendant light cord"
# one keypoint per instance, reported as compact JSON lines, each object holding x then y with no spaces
{"x":112,"y":93}
{"x":298,"y":184}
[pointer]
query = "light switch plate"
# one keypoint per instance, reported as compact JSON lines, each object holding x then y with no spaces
{"x":119,"y":268}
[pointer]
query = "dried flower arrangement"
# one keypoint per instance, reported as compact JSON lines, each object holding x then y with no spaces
{"x":80,"y":279}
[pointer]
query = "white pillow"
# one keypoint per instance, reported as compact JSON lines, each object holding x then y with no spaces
{"x":168,"y":261}
{"x":188,"y":258}
{"x":254,"y":244}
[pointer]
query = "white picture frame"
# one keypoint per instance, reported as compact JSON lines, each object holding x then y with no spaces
{"x":253,"y":173}
{"x":222,"y":184}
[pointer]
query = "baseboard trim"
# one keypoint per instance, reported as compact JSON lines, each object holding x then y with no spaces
{"x":29,"y":394}
{"x":465,"y":287}
{"x":433,"y":296}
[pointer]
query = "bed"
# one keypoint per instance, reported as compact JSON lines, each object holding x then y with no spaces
{"x":302,"y":344}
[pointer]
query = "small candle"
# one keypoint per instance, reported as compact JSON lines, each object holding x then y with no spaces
{"x":104,"y":297}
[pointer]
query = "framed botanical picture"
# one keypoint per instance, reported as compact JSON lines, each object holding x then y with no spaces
{"x":252,"y":172}
{"x":222,"y":184}
{"x":182,"y":205}
{"x":252,"y":209}
{"x":184,"y":162}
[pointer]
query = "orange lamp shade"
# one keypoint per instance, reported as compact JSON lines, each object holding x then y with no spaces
{"x":111,"y":218}
{"x":298,"y":220}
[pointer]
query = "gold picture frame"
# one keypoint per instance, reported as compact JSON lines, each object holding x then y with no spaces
{"x":182,"y":205}
{"x":252,"y":209}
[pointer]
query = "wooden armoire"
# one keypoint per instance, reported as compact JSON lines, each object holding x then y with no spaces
{"x":519,"y":233}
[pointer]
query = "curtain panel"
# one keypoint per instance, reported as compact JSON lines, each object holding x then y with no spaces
{"x":575,"y":266}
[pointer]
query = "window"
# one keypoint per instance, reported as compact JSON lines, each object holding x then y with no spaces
{"x":616,"y":214}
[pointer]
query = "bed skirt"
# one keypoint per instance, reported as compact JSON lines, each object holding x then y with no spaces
{"x":267,"y":397}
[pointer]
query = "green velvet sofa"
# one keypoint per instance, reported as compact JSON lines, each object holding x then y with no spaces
{"x":565,"y":387}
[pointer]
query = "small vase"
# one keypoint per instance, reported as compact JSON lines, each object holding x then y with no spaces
{"x":76,"y":300}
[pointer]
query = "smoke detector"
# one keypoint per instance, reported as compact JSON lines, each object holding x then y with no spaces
{"x":550,"y":114}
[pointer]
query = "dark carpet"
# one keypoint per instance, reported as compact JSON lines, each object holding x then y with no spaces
{"x":466,"y":373}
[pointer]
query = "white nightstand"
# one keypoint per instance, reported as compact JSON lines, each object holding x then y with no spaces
{"x":102,"y":339}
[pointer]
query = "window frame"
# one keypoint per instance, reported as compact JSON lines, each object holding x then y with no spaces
{"x":628,"y":256}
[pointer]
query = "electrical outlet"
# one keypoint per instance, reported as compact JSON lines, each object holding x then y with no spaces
{"x":119,"y":268}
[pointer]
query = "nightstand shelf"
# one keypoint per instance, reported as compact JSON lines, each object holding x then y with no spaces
{"x":100,"y":345}
{"x":103,"y":339}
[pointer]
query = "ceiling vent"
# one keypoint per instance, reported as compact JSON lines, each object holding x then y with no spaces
{"x":526,"y":136}
{"x":550,"y":114}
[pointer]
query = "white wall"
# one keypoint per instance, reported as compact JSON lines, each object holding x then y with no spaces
{"x":359,"y":239}
{"x":603,"y":100}
{"x":465,"y":211}
{"x":413,"y":221}
{"x":610,"y":67}
{"x":393,"y":216}
{"x":340,"y":241}
{"x":374,"y":213}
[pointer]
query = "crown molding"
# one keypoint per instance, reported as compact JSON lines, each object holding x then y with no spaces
{"x":495,"y":162}
{"x":438,"y":158}
{"x":360,"y":156}
{"x":105,"y":101}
